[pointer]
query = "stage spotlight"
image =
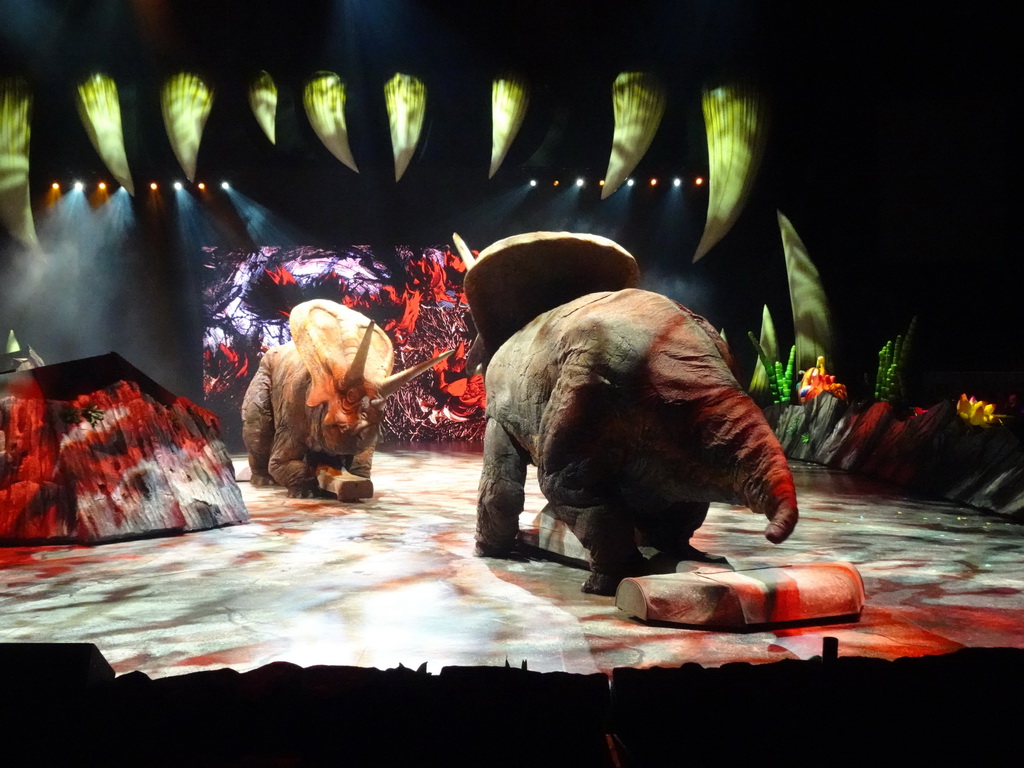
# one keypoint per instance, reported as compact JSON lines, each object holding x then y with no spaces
{"x":55,"y":187}
{"x":102,"y":186}
{"x":600,"y":183}
{"x":79,"y":186}
{"x":579,"y":182}
{"x":201,"y":185}
{"x":698,"y":181}
{"x":676,"y":181}
{"x":533,"y":182}
{"x":152,"y":185}
{"x":556,"y":183}
{"x":629,"y":182}
{"x":654,"y":182}
{"x":225,"y":185}
{"x":177,"y":185}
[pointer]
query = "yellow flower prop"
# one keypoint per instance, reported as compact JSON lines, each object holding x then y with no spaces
{"x":978,"y":413}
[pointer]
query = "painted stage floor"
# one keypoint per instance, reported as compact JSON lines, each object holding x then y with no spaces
{"x":393,"y":580}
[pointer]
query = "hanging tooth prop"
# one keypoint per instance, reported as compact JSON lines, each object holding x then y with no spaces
{"x":100,"y":111}
{"x":394,"y":382}
{"x":15,"y":203}
{"x":759,"y":389}
{"x":186,"y":101}
{"x":736,"y":119}
{"x":263,"y":102}
{"x":464,"y":253}
{"x":639,"y":103}
{"x":509,"y":100}
{"x":324,"y":98}
{"x":406,"y":98}
{"x":812,"y":323}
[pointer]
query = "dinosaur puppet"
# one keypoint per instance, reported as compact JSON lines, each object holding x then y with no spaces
{"x":315,"y":402}
{"x":627,"y":403}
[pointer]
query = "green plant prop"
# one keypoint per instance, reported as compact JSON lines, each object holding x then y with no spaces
{"x":890,"y":385}
{"x":780,"y":379}
{"x":71,"y":415}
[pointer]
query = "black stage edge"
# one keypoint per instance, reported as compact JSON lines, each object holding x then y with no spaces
{"x":62,"y":706}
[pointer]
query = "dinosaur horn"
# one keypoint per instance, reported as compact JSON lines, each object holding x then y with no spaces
{"x":467,"y":255}
{"x":357,"y":367}
{"x":392,"y":383}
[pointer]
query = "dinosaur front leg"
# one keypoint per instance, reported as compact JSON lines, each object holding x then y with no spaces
{"x":258,"y":426}
{"x":361,"y":462}
{"x":501,"y":495}
{"x":289,"y":468}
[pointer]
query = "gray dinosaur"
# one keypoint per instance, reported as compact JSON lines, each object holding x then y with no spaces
{"x":627,"y":403}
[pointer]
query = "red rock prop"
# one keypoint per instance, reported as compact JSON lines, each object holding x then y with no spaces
{"x":94,"y":451}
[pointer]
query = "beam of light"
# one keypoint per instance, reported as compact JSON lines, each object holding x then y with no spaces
{"x":15,"y":202}
{"x":324,"y":99}
{"x":100,"y":111}
{"x":812,"y":321}
{"x":406,"y":98}
{"x":263,"y":102}
{"x":638,"y":99}
{"x":186,"y":102}
{"x":263,"y":226}
{"x":736,"y":119}
{"x":197,"y":227}
{"x":496,"y":213}
{"x":85,"y":252}
{"x":509,"y":100}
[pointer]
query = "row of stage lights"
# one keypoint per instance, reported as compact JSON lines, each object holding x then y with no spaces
{"x":652,"y":182}
{"x":580,"y":182}
{"x":102,"y":186}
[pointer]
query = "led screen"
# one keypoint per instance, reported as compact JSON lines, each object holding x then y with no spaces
{"x":414,"y":294}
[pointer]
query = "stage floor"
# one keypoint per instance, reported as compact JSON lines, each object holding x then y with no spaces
{"x":393,"y":580}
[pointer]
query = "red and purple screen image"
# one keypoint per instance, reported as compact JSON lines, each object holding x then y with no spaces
{"x":414,"y":294}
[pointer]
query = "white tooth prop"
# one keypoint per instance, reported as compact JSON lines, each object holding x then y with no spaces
{"x":509,"y":100}
{"x":263,"y":103}
{"x":812,"y":317}
{"x":186,"y":102}
{"x":324,"y":98}
{"x":100,"y":111}
{"x":759,"y":387}
{"x":406,"y":98}
{"x":464,"y":253}
{"x":15,"y":202}
{"x":736,"y":119}
{"x":639,"y":103}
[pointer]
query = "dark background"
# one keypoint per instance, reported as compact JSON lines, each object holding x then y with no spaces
{"x":893,"y":150}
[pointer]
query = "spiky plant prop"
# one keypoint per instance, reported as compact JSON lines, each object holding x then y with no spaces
{"x":890,"y":386}
{"x":780,"y":379}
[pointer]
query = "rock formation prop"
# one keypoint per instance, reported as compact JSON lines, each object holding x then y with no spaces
{"x":94,"y":451}
{"x":933,"y":451}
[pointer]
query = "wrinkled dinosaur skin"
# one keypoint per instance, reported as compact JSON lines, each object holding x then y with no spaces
{"x":627,"y":404}
{"x":286,"y":439}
